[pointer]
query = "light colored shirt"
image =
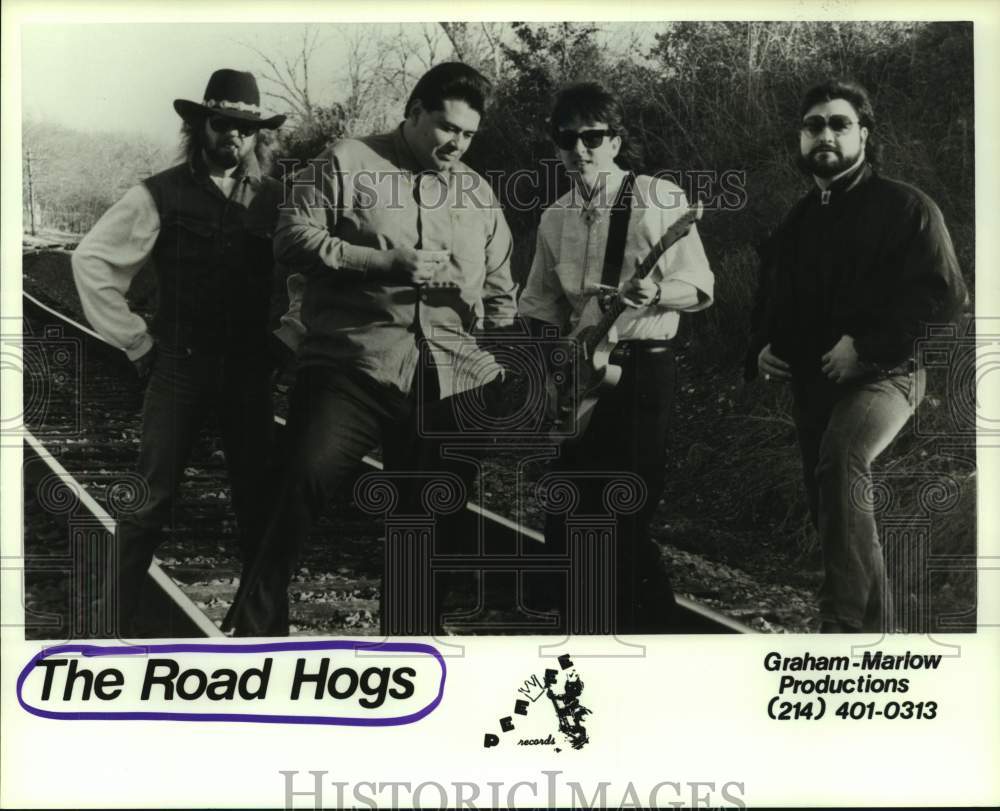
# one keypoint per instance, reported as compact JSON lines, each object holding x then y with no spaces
{"x":115,"y":250}
{"x":368,"y":195}
{"x":225,"y":182}
{"x":569,"y":259}
{"x":106,"y":261}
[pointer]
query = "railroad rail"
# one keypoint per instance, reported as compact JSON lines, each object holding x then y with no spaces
{"x":335,"y":591}
{"x":59,"y":507}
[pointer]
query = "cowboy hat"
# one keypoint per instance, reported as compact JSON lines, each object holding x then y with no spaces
{"x":233,"y":94}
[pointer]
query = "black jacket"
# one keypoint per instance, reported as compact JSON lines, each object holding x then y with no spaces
{"x":889,"y":261}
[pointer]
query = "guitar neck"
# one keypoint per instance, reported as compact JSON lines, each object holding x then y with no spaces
{"x":673,"y":234}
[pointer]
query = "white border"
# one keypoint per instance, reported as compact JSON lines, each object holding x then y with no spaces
{"x":692,"y":710}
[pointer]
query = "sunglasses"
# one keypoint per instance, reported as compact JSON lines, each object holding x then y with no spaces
{"x":220,"y":123}
{"x":815,"y":124}
{"x":592,"y":139}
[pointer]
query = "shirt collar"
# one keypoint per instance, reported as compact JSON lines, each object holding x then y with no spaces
{"x":848,"y":181}
{"x":248,"y":170}
{"x":407,"y":161}
{"x":603,"y":200}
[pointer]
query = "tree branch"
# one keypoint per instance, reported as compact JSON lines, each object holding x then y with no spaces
{"x":453,"y":34}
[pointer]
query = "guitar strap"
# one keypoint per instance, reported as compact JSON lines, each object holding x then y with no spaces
{"x":614,"y":253}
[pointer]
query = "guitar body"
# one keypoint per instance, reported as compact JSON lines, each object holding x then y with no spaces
{"x":595,"y":376}
{"x":594,"y":340}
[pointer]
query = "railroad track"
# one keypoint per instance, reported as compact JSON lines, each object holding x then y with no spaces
{"x":82,"y":406}
{"x":78,"y":532}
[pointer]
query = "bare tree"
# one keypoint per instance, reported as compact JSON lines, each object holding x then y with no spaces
{"x":377,"y":67}
{"x":477,"y":44}
{"x":383,"y":63}
{"x":364,"y":75}
{"x":287,"y":77}
{"x":431,"y":37}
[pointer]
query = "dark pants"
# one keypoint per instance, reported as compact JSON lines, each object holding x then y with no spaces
{"x":627,"y":433}
{"x":335,"y":419}
{"x":183,"y":390}
{"x":842,"y":429}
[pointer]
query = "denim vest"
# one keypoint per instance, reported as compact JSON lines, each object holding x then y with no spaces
{"x":213,"y":258}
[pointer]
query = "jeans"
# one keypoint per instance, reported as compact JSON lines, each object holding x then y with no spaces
{"x":841,"y":430}
{"x":335,"y":418}
{"x":184,"y":388}
{"x":628,"y":432}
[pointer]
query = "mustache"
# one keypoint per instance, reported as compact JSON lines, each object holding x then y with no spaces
{"x":819,"y":149}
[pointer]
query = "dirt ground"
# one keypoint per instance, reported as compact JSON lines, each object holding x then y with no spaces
{"x":733,"y":523}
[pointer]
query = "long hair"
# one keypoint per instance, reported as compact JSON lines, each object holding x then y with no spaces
{"x":191,"y":144}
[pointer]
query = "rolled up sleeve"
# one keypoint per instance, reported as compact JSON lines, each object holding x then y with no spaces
{"x":686,"y":261}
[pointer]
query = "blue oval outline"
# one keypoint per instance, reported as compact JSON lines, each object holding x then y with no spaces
{"x":259,"y":718}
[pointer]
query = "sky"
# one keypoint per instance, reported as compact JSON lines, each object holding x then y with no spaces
{"x":124,"y":77}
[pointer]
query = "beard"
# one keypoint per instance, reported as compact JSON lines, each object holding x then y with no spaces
{"x":827,"y":162}
{"x":224,"y":156}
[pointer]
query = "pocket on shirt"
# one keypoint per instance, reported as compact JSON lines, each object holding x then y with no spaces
{"x":196,"y":227}
{"x":195,"y":239}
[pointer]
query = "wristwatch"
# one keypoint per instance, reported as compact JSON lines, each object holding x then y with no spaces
{"x":656,"y":298}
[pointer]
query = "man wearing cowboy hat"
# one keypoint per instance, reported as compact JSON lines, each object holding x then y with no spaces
{"x":207,"y":225}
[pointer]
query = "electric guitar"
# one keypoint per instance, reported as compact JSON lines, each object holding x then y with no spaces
{"x":577,"y":395}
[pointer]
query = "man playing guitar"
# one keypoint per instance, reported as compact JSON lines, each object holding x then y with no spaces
{"x":610,"y":233}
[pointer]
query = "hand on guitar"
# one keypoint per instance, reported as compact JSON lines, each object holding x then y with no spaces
{"x":593,"y":371}
{"x":640,"y":292}
{"x":606,"y":294}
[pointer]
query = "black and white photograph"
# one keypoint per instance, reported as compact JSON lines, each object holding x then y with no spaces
{"x":606,"y":349}
{"x":680,"y":343}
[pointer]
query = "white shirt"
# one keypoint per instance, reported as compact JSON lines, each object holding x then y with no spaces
{"x":114,"y":251}
{"x":106,"y":261}
{"x":569,"y":259}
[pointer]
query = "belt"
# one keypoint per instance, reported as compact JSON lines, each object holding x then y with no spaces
{"x":628,"y":349}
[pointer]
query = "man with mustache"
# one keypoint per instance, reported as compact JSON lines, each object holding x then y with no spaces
{"x":404,"y":250}
{"x":848,"y":284}
{"x":206,"y":224}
